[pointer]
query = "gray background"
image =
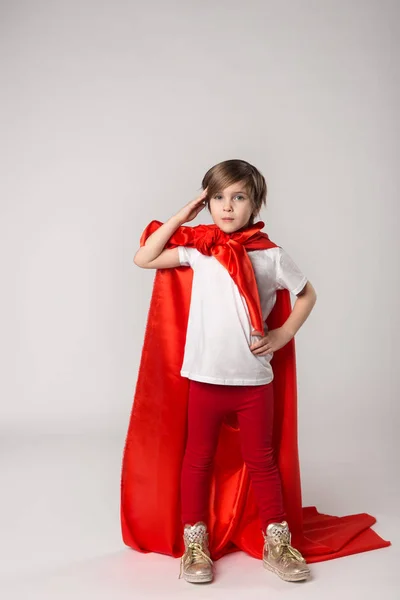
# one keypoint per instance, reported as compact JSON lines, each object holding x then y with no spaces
{"x":111,"y":114}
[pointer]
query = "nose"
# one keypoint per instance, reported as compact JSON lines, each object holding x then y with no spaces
{"x":227,"y":205}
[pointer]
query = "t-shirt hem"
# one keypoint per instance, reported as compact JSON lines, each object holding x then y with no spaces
{"x":300,"y":286}
{"x":182,"y":260}
{"x":220,"y":381}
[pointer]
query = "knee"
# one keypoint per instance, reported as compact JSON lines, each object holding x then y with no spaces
{"x":260,"y":459}
{"x":199,"y":461}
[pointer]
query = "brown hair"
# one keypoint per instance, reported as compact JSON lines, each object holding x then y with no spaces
{"x":228,"y":172}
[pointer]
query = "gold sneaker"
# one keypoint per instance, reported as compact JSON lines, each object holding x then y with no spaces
{"x":196,"y":564}
{"x":280,"y":557}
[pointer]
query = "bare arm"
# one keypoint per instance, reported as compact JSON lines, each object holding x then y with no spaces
{"x":154,"y":247}
{"x":302,"y":307}
{"x":152,"y":255}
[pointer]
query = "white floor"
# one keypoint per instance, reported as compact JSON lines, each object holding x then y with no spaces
{"x":60,"y":532}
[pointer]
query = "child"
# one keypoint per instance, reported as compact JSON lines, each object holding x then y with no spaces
{"x":228,"y":362}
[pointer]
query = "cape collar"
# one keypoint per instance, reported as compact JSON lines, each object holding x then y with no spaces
{"x":207,"y":237}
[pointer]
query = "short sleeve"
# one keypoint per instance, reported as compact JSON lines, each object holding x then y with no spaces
{"x":288,"y":274}
{"x":187,"y":256}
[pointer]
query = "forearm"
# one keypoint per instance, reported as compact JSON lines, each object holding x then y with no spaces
{"x":301,"y":310}
{"x":155,"y":243}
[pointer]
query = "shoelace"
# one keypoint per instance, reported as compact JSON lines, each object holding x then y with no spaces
{"x":286,"y":551}
{"x":197,"y":555}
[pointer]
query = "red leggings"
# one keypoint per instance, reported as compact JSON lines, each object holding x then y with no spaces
{"x":254,"y":405}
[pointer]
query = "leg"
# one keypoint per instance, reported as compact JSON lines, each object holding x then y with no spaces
{"x":255,"y":411}
{"x":205,"y":415}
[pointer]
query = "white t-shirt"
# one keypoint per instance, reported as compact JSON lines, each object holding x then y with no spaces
{"x":218,"y":337}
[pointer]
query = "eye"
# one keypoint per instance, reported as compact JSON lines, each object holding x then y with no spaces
{"x":218,"y":196}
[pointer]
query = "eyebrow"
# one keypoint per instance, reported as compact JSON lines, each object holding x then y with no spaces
{"x":237,"y":192}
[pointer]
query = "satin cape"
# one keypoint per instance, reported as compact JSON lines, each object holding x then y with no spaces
{"x":156,"y":437}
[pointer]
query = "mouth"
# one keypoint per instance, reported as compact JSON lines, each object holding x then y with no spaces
{"x":227,"y":219}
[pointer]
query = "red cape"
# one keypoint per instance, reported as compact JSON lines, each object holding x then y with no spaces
{"x":156,"y":438}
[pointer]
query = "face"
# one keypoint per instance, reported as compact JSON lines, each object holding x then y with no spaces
{"x":231,"y":208}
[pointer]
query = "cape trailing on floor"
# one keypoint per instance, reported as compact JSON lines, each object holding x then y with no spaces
{"x":155,"y":442}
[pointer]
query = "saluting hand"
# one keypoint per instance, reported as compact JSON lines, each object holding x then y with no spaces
{"x":192,"y":208}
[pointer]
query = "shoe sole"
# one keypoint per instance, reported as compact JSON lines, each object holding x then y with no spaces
{"x":197,"y":578}
{"x":297,"y":577}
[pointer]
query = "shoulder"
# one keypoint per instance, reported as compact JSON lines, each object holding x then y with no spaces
{"x":264,"y":261}
{"x":276,"y":254}
{"x":267,"y":255}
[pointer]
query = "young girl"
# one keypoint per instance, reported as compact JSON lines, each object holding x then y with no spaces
{"x":227,"y":361}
